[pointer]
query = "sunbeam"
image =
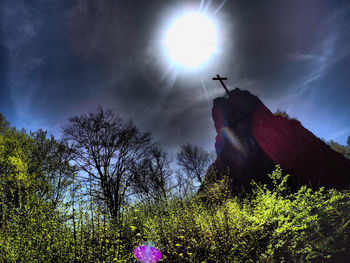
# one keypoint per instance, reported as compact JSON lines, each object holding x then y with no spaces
{"x":219,"y":7}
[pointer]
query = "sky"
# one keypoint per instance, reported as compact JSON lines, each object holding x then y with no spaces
{"x":60,"y":58}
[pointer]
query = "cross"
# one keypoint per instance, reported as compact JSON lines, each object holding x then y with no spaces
{"x":223,"y":84}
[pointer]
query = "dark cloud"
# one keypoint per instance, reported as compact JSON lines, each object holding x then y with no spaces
{"x":4,"y":91}
{"x":60,"y":58}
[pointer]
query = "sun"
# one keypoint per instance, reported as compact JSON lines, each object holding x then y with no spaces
{"x":191,"y":40}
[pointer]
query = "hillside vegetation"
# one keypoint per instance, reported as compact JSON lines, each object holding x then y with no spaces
{"x":56,"y":208}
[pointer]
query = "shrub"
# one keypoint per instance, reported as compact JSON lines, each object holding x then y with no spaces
{"x":271,"y":225}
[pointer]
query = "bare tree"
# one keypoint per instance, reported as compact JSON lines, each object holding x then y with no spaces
{"x":107,"y":149}
{"x":184,"y":185}
{"x":194,"y":161}
{"x":152,"y":177}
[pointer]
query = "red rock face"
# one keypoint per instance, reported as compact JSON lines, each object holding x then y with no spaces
{"x":250,"y":141}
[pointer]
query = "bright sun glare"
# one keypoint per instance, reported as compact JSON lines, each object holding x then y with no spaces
{"x":191,"y":40}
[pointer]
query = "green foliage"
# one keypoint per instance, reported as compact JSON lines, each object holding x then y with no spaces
{"x":271,"y":225}
{"x":283,"y":114}
{"x":15,"y":150}
{"x":4,"y":124}
{"x":344,"y":150}
{"x":46,"y":217}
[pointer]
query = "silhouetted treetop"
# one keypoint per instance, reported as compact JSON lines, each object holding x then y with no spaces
{"x":107,"y":150}
{"x":4,"y":124}
{"x":195,"y":161}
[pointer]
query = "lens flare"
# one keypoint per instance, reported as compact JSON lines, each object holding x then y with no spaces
{"x":147,"y":253}
{"x":233,"y":139}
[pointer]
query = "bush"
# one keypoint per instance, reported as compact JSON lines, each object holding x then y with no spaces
{"x":271,"y":225}
{"x":284,"y":114}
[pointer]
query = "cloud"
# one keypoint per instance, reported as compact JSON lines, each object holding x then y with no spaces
{"x":66,"y":57}
{"x":330,"y":54}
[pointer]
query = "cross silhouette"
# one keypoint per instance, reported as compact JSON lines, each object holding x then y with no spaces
{"x":223,"y":84}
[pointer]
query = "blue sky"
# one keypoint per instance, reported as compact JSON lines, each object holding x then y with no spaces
{"x":62,"y":58}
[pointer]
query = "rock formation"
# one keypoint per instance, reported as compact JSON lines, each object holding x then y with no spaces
{"x":251,"y":140}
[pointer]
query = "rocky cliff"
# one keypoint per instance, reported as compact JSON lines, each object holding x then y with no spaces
{"x":251,"y":140}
